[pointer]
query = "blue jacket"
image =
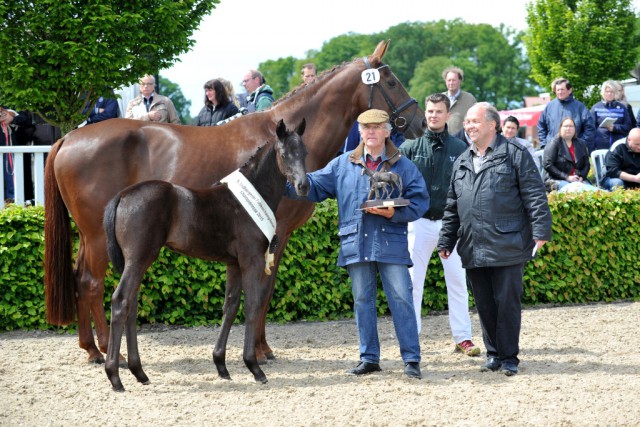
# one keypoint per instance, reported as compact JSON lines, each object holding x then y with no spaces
{"x":111,"y":110}
{"x":617,"y":110}
{"x":366,"y":237}
{"x":556,"y":111}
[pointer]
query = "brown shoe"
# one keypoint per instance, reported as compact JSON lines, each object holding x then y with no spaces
{"x":468,"y":347}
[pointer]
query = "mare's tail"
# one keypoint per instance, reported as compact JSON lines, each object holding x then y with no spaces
{"x":59,"y":278}
{"x":109,"y":223}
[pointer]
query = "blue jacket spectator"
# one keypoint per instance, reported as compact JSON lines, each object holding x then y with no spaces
{"x":104,"y":108}
{"x":609,"y":108}
{"x":565,"y":105}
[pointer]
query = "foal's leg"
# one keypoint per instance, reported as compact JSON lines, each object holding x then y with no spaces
{"x":230,"y":310}
{"x":263,"y":350}
{"x":124,"y":309}
{"x":254,"y":296}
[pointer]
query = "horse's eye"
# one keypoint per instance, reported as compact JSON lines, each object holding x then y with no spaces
{"x":392,"y":83}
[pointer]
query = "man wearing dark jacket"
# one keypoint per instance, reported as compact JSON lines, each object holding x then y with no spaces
{"x":565,"y":105}
{"x":498,"y":215}
{"x":623,"y":163}
{"x":434,"y":154}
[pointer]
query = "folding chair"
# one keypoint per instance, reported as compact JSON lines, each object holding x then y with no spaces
{"x":599,"y":167}
{"x":539,"y":158}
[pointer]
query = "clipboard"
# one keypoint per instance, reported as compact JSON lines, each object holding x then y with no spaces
{"x":608,"y":121}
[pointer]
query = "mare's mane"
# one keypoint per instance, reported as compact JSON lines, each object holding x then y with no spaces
{"x":323,"y":75}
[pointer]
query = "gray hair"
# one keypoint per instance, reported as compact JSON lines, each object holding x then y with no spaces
{"x":387,"y":126}
{"x":490,"y":113}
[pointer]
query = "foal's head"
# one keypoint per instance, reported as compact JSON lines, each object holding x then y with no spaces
{"x":292,"y":154}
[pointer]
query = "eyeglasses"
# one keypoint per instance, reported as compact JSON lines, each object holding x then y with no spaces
{"x":147,"y":84}
{"x":246,"y":80}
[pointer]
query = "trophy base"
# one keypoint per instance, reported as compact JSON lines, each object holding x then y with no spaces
{"x":386,"y":203}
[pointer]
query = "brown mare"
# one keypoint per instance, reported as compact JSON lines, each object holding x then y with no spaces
{"x":209,"y":224}
{"x":89,"y":166}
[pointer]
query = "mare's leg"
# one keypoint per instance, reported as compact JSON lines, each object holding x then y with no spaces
{"x":230,"y":310}
{"x":84,"y":292}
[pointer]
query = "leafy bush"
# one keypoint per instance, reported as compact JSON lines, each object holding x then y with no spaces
{"x":591,"y":258}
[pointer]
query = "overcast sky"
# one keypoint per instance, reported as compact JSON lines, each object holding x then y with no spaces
{"x":240,"y":34}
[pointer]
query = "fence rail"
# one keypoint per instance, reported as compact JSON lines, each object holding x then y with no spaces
{"x":37,"y":169}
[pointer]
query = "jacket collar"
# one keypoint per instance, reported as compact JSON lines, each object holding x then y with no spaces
{"x":391,"y":155}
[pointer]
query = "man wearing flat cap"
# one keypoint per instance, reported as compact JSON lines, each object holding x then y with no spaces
{"x":374,"y":240}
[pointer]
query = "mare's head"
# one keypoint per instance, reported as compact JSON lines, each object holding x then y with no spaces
{"x":291,"y":155}
{"x":382,"y":90}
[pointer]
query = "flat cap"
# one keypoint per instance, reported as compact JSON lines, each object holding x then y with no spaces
{"x":373,"y":116}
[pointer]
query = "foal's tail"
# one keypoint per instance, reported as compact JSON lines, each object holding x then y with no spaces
{"x":59,"y":279}
{"x":109,"y":222}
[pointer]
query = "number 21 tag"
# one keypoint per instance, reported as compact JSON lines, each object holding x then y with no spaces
{"x":370,"y":76}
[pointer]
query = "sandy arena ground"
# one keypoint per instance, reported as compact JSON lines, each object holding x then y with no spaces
{"x":580,"y":366}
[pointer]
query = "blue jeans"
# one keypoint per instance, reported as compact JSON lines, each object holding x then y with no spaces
{"x":7,"y":168}
{"x":397,"y":287}
{"x":610,"y":184}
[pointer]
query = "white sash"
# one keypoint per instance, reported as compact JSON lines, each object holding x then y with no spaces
{"x":252,"y":202}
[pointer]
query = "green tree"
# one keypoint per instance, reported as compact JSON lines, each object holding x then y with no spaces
{"x":494,"y":64}
{"x":173,"y":91}
{"x":58,"y":56}
{"x":586,"y":41}
{"x":278,"y":74}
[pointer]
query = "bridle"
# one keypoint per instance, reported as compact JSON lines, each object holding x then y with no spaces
{"x":398,"y":121}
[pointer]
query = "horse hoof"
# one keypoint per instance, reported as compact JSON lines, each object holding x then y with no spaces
{"x":97,"y":360}
{"x":262,"y":380}
{"x":225,"y":377}
{"x":118,"y":389}
{"x":271,"y":356}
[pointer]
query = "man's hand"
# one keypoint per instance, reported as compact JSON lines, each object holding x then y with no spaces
{"x":444,"y":254}
{"x":385,"y":212}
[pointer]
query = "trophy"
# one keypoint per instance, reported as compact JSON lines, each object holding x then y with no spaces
{"x":382,"y":186}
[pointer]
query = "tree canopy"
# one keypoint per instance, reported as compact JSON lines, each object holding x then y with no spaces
{"x":493,"y":59}
{"x":59,"y":56}
{"x":585,"y":41}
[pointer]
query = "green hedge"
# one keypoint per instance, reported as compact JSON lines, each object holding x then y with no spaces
{"x":592,"y":258}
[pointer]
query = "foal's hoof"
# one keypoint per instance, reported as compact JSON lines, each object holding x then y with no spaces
{"x":262,"y":380}
{"x":224,"y":377}
{"x":118,"y":390}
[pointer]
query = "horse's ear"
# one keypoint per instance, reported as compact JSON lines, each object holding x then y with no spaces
{"x":381,"y":49}
{"x":301,"y":126}
{"x":281,"y":129}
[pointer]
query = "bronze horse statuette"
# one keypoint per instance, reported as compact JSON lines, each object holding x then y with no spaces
{"x":89,"y":166}
{"x":210,"y":224}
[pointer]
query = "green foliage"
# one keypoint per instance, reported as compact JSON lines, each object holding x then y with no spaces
{"x":278,"y":74}
{"x":21,"y":269}
{"x":58,"y":56}
{"x":592,"y":257}
{"x":496,"y":68}
{"x":586,"y":41}
{"x":172,"y":90}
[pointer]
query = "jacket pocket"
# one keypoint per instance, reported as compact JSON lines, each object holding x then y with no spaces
{"x":349,"y":240}
{"x":504,"y":179}
{"x":458,"y":182}
{"x":509,"y":224}
{"x":395,"y":233}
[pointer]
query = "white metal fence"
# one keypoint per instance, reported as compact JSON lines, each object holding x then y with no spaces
{"x":37,"y":169}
